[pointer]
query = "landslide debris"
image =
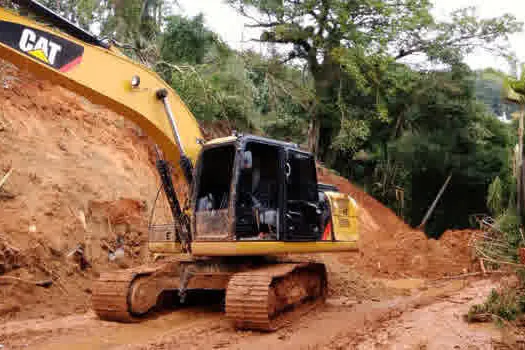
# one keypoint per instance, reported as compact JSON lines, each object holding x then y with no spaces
{"x":391,"y":248}
{"x":81,"y":177}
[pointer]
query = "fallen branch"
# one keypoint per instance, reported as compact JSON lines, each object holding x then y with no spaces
{"x":9,"y":279}
{"x":487,"y":258}
{"x":480,"y":317}
{"x":482,"y":266}
{"x":465,"y":275}
{"x":6,"y":176}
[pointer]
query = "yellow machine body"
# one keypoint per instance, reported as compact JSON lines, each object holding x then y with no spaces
{"x":344,"y":216}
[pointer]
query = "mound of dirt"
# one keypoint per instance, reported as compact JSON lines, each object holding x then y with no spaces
{"x":390,"y":248}
{"x":410,"y":253}
{"x":82,"y":176}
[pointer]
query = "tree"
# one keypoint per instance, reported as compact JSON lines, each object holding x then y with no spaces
{"x":514,"y":92}
{"x":450,"y":132}
{"x":133,"y":24}
{"x":323,"y":33}
{"x":82,"y":12}
{"x":186,"y":40}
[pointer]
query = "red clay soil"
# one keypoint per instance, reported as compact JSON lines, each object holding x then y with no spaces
{"x":391,"y":248}
{"x":82,"y":175}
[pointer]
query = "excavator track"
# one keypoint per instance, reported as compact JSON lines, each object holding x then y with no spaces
{"x":111,"y":294}
{"x":271,"y":297}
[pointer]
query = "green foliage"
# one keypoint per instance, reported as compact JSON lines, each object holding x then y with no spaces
{"x":287,"y":127}
{"x":438,"y":127}
{"x":506,"y":305}
{"x":217,"y":92}
{"x":134,"y":24}
{"x":217,"y":83}
{"x":352,"y":135}
{"x":83,"y":12}
{"x":349,"y":45}
{"x":495,"y":197}
{"x":186,"y":40}
{"x":463,"y":138}
{"x":509,"y":224}
{"x":514,"y":88}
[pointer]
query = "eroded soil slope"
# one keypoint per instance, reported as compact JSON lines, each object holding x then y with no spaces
{"x":80,"y":175}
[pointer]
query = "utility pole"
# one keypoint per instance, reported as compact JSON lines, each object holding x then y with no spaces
{"x":519,"y":165}
{"x":436,"y":200}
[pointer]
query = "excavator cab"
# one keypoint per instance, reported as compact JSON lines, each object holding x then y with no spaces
{"x":253,"y":188}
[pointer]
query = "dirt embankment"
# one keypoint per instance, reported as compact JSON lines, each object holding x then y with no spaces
{"x":391,"y":248}
{"x":80,"y":175}
{"x":83,"y":176}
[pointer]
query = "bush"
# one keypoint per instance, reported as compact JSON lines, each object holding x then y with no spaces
{"x":501,"y":305}
{"x":503,"y":245}
{"x":495,"y":197}
{"x":509,"y":224}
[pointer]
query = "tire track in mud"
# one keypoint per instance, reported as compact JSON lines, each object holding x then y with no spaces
{"x":86,"y":331}
{"x":439,"y":325}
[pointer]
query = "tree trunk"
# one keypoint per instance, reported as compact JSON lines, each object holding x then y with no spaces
{"x":519,"y":161}
{"x":433,"y":206}
{"x":313,"y":133}
{"x":522,"y":217}
{"x":326,"y":76}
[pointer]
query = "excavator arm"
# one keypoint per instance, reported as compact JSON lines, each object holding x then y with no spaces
{"x":82,"y":63}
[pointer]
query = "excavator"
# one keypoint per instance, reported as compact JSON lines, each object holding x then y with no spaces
{"x":254,"y":203}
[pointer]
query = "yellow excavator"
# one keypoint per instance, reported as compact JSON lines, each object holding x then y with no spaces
{"x":252,"y":201}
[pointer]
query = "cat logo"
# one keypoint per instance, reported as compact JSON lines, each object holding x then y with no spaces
{"x":41,"y":48}
{"x":51,"y":50}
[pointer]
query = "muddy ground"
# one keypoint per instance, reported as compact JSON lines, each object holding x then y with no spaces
{"x":81,"y":176}
{"x":430,"y":317}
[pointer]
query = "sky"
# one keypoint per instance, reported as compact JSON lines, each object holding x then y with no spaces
{"x":230,"y":26}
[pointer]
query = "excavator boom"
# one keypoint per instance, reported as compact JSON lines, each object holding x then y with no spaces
{"x":82,"y":63}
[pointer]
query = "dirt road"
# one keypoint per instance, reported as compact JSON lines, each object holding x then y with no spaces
{"x":429,"y":318}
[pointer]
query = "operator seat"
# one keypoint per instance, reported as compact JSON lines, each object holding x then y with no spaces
{"x":261,"y":194}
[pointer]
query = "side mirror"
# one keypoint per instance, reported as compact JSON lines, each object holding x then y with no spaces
{"x":247,"y":160}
